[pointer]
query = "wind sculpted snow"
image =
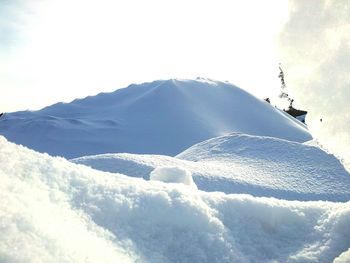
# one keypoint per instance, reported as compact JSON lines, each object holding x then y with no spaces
{"x":161,"y":117}
{"x":239,"y":163}
{"x":52,"y":210}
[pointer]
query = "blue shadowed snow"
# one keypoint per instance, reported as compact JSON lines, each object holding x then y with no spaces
{"x":161,"y":117}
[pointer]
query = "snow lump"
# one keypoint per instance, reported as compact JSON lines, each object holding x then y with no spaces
{"x":171,"y":174}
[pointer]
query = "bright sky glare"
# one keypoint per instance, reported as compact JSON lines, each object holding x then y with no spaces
{"x":53,"y":51}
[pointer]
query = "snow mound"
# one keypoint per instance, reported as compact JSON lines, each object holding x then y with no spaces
{"x":161,"y":117}
{"x":173,"y":174}
{"x":239,"y":163}
{"x":52,"y":210}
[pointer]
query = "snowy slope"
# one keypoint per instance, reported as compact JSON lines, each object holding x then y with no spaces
{"x":161,"y":117}
{"x":52,"y":210}
{"x":275,"y":163}
{"x":239,"y":163}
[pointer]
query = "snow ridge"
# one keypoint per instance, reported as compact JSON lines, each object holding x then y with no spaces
{"x":162,"y":117}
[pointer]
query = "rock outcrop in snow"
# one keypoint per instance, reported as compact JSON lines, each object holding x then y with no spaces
{"x":161,"y":117}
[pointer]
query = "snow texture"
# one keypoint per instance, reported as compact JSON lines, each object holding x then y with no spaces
{"x":52,"y":210}
{"x":264,"y":193}
{"x":161,"y":117}
{"x":170,"y":174}
{"x":239,"y":163}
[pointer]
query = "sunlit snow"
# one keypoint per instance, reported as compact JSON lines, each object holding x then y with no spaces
{"x":161,"y":117}
{"x":172,"y":174}
{"x":239,"y":163}
{"x":240,"y":182}
{"x":56,"y":211}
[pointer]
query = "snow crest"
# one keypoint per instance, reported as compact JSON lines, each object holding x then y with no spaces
{"x":240,"y":163}
{"x":162,"y":117}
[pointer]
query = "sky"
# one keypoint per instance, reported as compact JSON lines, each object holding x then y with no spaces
{"x":53,"y":51}
{"x":315,"y":49}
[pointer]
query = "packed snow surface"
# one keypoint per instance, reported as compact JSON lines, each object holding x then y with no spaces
{"x":161,"y":117}
{"x":52,"y":210}
{"x":240,"y":163}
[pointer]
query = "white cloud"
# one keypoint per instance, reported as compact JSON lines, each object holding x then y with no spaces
{"x":77,"y":48}
{"x":315,"y":51}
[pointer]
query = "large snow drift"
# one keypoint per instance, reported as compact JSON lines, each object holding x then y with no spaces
{"x":162,"y":117}
{"x":239,"y":163}
{"x":52,"y":210}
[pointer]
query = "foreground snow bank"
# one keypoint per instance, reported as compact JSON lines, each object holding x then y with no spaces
{"x":172,"y":174}
{"x":52,"y":210}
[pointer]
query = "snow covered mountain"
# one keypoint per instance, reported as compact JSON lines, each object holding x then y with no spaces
{"x":52,"y":210}
{"x":162,"y":117}
{"x":239,"y":163}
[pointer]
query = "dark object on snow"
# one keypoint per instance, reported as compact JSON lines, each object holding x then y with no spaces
{"x":283,"y":93}
{"x":1,"y":114}
{"x":298,"y":114}
{"x":267,"y":100}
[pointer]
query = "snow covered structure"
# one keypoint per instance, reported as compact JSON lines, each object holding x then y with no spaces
{"x":161,"y":117}
{"x":298,"y":114}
